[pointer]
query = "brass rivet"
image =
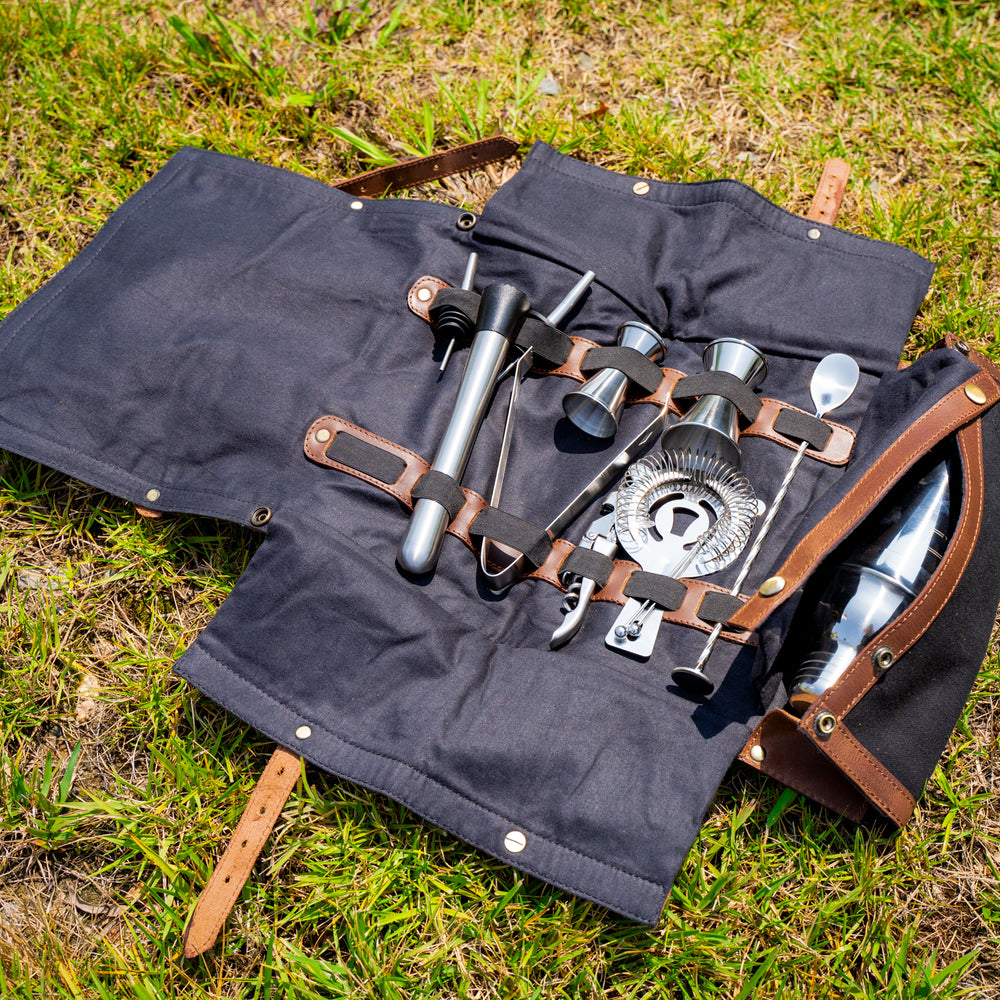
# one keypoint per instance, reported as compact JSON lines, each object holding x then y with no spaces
{"x":813,"y":234}
{"x":826,"y":723}
{"x":773,"y":585}
{"x":322,"y":434}
{"x":153,"y":495}
{"x":757,"y":753}
{"x":303,"y":733}
{"x":975,"y":394}
{"x":883,"y":657}
{"x":424,"y":294}
{"x":357,"y":205}
{"x":515,"y":842}
{"x":640,"y":187}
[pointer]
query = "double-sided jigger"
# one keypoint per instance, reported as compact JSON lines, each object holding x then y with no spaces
{"x":595,"y":406}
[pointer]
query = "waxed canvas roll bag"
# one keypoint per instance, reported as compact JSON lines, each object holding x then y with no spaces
{"x":184,"y":359}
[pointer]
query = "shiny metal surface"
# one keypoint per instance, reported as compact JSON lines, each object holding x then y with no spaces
{"x":502,"y":306}
{"x":595,"y":406}
{"x":712,"y":424}
{"x":833,"y":382}
{"x":892,"y":561}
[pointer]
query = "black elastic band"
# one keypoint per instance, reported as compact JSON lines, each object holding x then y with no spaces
{"x":717,"y":607}
{"x":644,"y":373}
{"x":547,"y":342}
{"x":531,"y":541}
{"x":803,"y":427}
{"x":722,"y":384}
{"x":368,"y":459}
{"x":589,"y":564}
{"x":442,"y":489}
{"x":664,"y":591}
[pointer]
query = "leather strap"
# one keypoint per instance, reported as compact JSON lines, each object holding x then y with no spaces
{"x":781,"y":751}
{"x":830,"y":193}
{"x":430,"y":168}
{"x":234,"y":867}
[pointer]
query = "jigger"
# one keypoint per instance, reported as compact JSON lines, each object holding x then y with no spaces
{"x":711,"y":426}
{"x":595,"y":406}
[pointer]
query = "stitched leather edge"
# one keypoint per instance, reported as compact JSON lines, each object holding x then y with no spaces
{"x":418,"y":302}
{"x":791,"y":758}
{"x":907,"y":629}
{"x":884,"y":790}
{"x":947,"y":415}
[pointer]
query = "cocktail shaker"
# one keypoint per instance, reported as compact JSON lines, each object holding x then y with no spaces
{"x":887,"y":562}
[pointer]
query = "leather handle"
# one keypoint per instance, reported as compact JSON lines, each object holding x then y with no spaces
{"x":430,"y":168}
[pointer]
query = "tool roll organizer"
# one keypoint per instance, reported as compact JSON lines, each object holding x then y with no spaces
{"x":248,"y":344}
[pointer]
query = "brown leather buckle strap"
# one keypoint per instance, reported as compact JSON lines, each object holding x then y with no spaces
{"x":409,"y":173}
{"x":234,"y":867}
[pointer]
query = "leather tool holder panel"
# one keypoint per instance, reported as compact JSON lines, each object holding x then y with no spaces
{"x":872,"y":739}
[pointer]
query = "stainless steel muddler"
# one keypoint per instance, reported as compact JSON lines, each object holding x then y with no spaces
{"x":502,"y":309}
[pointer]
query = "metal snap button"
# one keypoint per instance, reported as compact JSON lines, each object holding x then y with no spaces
{"x":826,"y":723}
{"x":303,"y":733}
{"x":260,"y":516}
{"x":465,"y":221}
{"x":813,"y":234}
{"x":975,"y":394}
{"x":771,"y":586}
{"x":640,"y":187}
{"x":757,"y":753}
{"x":152,"y":495}
{"x":883,"y":657}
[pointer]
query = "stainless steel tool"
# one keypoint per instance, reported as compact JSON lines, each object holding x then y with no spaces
{"x":595,"y":406}
{"x":502,"y":309}
{"x":599,"y":536}
{"x":694,"y":510}
{"x":505,"y":578}
{"x":688,"y":510}
{"x":677,"y":513}
{"x":460,"y":321}
{"x":498,"y":579}
{"x":892,"y":556}
{"x":711,"y":426}
{"x":833,"y":383}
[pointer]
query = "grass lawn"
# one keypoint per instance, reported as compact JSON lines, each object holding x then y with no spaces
{"x":118,"y":780}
